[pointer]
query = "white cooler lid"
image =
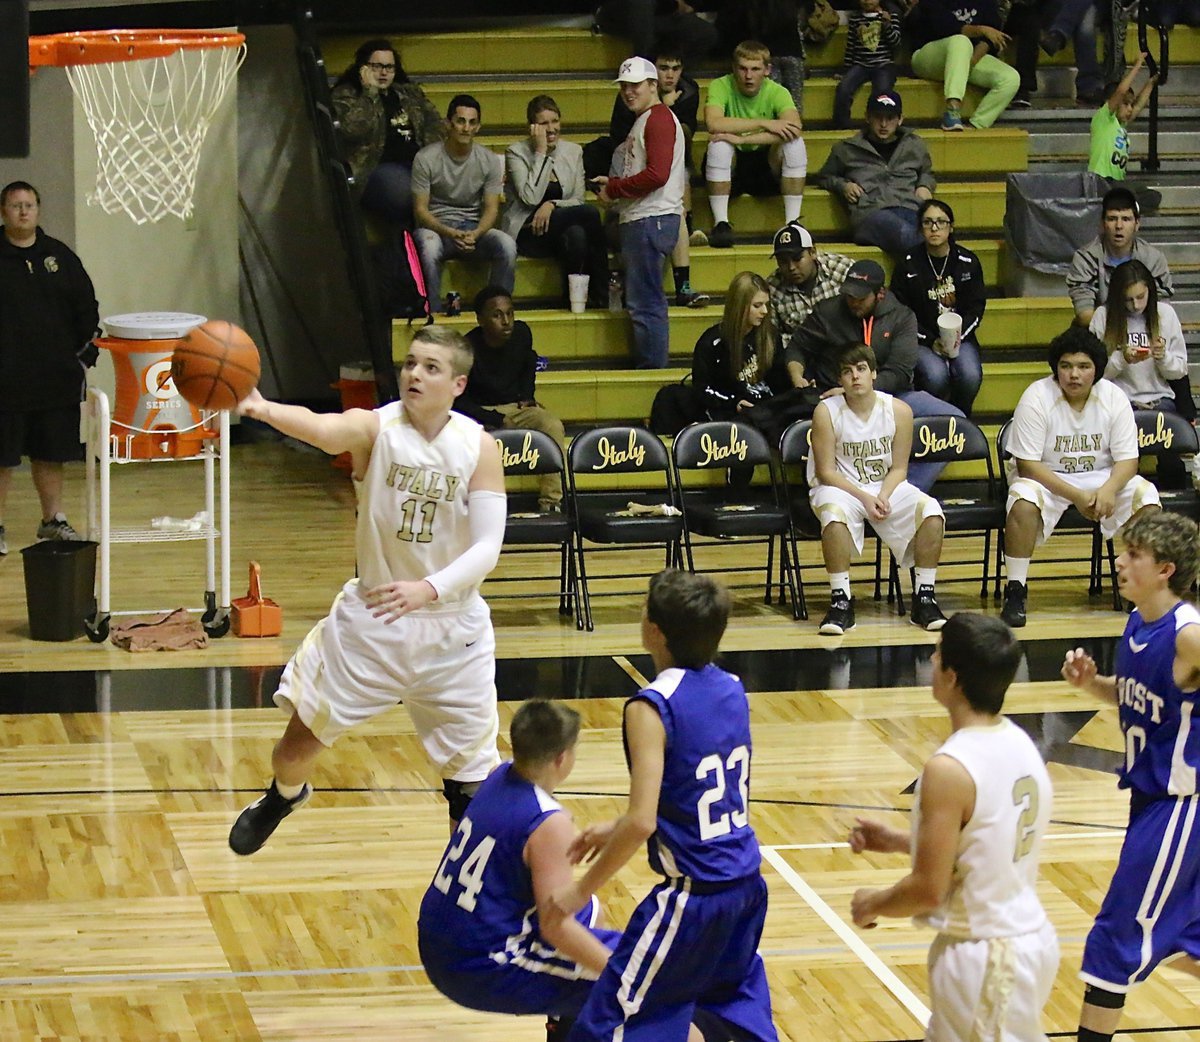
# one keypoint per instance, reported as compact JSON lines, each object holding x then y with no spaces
{"x":152,"y":325}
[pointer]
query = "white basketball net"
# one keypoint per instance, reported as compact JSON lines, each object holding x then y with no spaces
{"x":150,"y":118}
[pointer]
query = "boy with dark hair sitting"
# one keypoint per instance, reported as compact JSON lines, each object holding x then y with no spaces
{"x":1073,"y":442}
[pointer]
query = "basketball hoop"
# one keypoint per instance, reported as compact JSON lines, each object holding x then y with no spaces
{"x":149,"y":96}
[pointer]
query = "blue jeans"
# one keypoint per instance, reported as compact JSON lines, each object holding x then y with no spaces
{"x":953,"y":380}
{"x":892,"y":228}
{"x":1076,"y":21}
{"x":882,"y":77}
{"x":645,"y":244}
{"x":388,"y":192}
{"x":922,"y":403}
{"x":494,"y":245}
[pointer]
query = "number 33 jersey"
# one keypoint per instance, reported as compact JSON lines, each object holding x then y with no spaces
{"x":412,"y":502}
{"x":993,"y":891}
{"x":703,"y":830}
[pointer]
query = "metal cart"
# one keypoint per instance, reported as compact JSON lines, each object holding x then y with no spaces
{"x":106,"y":445}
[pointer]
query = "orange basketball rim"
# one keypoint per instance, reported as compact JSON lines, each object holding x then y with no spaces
{"x":149,"y":96}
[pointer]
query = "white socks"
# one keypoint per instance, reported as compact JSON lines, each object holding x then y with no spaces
{"x":288,"y":792}
{"x":1018,"y":569}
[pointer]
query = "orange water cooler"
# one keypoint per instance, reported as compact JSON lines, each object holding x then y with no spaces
{"x":150,"y":420}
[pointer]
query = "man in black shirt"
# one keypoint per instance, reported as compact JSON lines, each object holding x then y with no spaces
{"x":500,"y":387}
{"x":48,"y":316}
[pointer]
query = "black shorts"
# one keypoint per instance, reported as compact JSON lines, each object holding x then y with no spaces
{"x":752,"y":173}
{"x":47,"y":435}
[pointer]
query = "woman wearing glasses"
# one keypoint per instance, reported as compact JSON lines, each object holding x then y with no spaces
{"x":942,"y":277}
{"x":384,"y":120}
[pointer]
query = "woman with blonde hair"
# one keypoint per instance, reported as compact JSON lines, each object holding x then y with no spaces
{"x":547,"y":213}
{"x":738,"y":363}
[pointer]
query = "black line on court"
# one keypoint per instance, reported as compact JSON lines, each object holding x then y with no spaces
{"x":763,"y":801}
{"x":572,"y":677}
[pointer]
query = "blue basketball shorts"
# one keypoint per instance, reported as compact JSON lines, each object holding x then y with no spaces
{"x":1152,"y":909}
{"x":538,"y":980}
{"x":685,"y":956}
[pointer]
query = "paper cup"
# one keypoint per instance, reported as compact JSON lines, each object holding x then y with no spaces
{"x":577,"y":288}
{"x":949,"y":326}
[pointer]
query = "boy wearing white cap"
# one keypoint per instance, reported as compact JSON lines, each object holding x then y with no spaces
{"x":649,"y":196}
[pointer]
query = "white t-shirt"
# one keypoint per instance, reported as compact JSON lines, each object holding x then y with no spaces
{"x":412,"y":502}
{"x":993,"y":892}
{"x":1145,"y":382}
{"x":862,"y":447}
{"x":667,"y":198}
{"x":1046,"y":429}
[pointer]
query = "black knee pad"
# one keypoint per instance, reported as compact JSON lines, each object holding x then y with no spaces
{"x":1094,"y":996}
{"x":458,"y":794}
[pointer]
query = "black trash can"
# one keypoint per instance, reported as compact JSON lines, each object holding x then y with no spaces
{"x":60,"y":580}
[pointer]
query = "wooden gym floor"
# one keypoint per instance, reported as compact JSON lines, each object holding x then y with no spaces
{"x":126,"y":917}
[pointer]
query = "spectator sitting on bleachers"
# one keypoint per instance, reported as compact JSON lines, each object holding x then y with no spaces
{"x":803,"y":277}
{"x":1118,"y":242}
{"x":755,"y":120}
{"x":858,"y":472}
{"x":779,"y":21}
{"x":935,"y":278}
{"x":456,"y":202}
{"x":1109,"y":146}
{"x":738,"y":363}
{"x":882,"y":173}
{"x":1143,"y":336}
{"x":383,"y":121}
{"x":1073,"y":442}
{"x":957,"y":45}
{"x":649,"y":24}
{"x":649,"y":196}
{"x":681,"y":94}
{"x":500,"y":390}
{"x":1028,"y":23}
{"x":872,"y":36}
{"x":546,"y":211}
{"x":866,"y":313}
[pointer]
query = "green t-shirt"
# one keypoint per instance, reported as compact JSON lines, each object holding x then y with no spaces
{"x":771,"y":100}
{"x":1109,"y":145}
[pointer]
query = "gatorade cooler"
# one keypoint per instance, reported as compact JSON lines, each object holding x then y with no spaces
{"x":356,"y":385}
{"x":150,"y":420}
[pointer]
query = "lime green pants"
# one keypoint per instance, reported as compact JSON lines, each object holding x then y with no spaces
{"x":949,"y":60}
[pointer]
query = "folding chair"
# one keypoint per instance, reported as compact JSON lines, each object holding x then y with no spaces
{"x":954,"y":439}
{"x":601,"y":507}
{"x":733,"y":514}
{"x":1071,"y":521}
{"x":527,"y":453}
{"x":1166,"y":434}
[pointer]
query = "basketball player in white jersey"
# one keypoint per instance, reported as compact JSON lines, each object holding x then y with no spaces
{"x":858,"y":472}
{"x":412,"y":626}
{"x":1073,"y":442}
{"x":982,"y":808}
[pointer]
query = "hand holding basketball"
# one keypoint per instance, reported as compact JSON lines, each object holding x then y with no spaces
{"x":215,"y":366}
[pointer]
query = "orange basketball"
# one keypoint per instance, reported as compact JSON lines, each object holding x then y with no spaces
{"x":215,"y":366}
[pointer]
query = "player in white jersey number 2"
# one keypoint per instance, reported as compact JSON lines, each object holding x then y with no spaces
{"x":982,"y":808}
{"x":411,"y":626}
